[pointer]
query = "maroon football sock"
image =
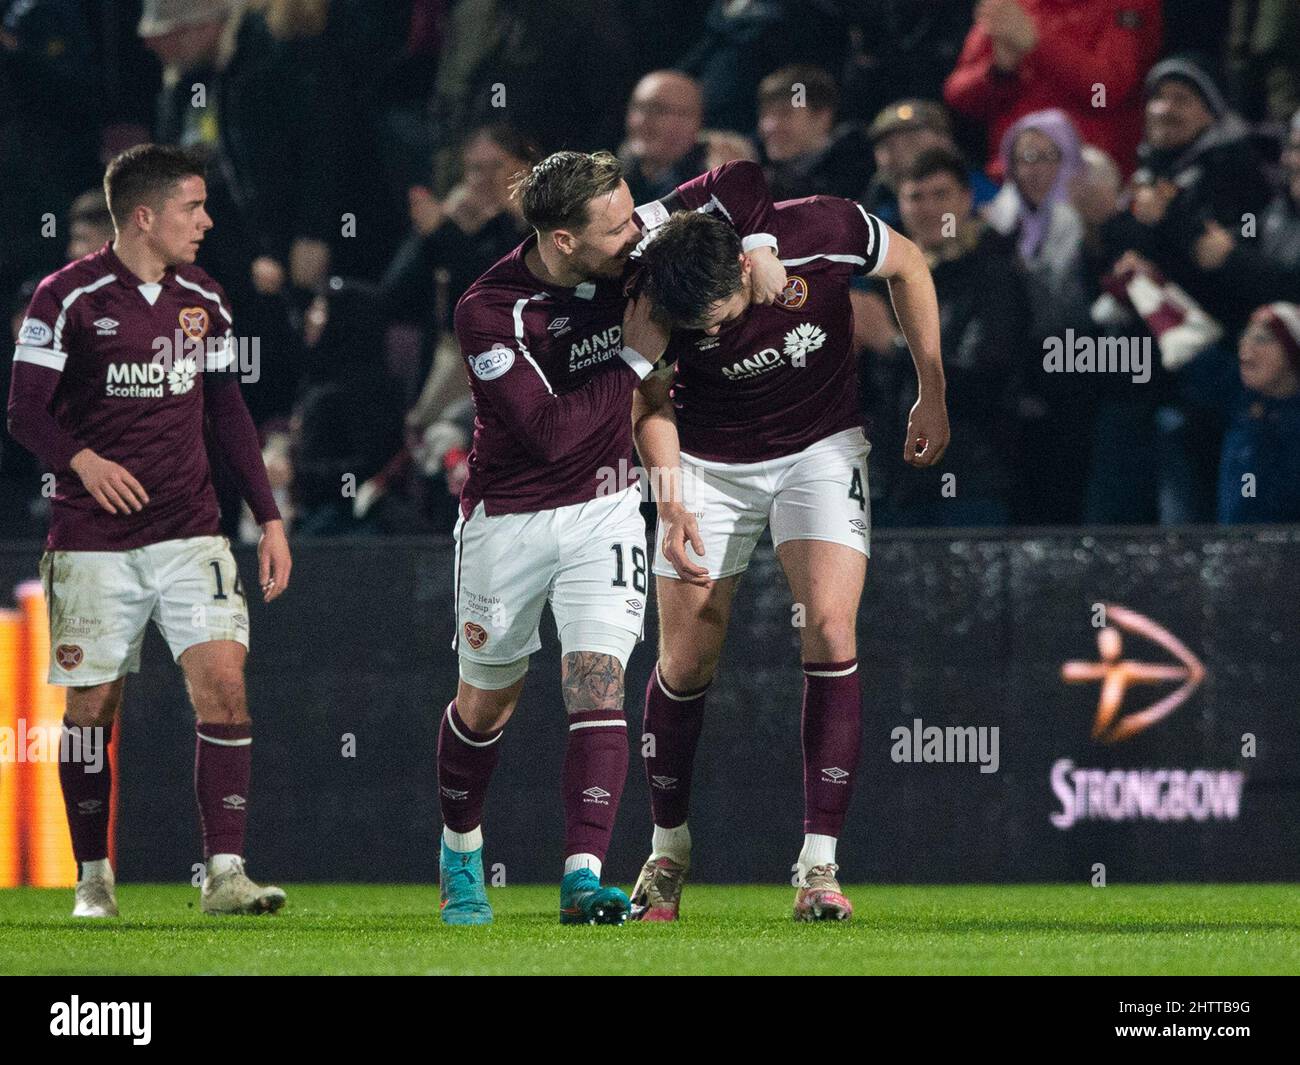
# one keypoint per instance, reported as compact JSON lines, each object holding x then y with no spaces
{"x":87,"y":780}
{"x":595,"y":770}
{"x":832,"y":737}
{"x":672,"y":722}
{"x":465,"y":762}
{"x":223,"y":758}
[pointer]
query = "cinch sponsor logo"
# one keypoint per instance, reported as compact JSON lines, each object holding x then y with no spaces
{"x":77,"y":1018}
{"x":1139,"y":794}
{"x":596,"y":348}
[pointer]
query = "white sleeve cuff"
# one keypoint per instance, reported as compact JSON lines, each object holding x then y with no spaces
{"x":757,"y":240}
{"x":637,"y":361}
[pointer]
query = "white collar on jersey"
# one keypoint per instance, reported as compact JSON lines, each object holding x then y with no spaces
{"x":151,"y":292}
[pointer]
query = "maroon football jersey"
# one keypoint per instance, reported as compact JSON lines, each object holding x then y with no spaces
{"x":552,"y":383}
{"x":782,"y":376}
{"x":130,"y":358}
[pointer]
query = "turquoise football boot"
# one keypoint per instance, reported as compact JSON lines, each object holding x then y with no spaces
{"x":460,"y":879}
{"x":583,"y":900}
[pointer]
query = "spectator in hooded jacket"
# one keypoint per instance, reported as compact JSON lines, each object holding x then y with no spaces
{"x":1259,"y":473}
{"x":1043,"y":159}
{"x":1086,"y":57}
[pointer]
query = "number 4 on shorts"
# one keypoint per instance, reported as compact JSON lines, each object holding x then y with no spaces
{"x":855,"y":489}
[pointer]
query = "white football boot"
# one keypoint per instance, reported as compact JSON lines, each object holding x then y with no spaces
{"x":96,"y":896}
{"x":230,"y":891}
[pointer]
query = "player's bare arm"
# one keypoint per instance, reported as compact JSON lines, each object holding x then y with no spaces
{"x":112,"y":486}
{"x":654,"y":428}
{"x":911,"y":288}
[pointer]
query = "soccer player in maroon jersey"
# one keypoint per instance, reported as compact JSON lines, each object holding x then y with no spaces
{"x":122,"y":356}
{"x":757,"y":421}
{"x":550,"y":512}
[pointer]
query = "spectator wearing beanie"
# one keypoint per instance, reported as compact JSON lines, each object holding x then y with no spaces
{"x":1259,"y":473}
{"x":1029,"y":55}
{"x":1197,"y":167}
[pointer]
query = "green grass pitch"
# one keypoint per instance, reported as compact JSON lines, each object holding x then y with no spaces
{"x":353,"y":928}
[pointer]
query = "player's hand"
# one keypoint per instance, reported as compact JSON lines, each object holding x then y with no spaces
{"x":111,"y":485}
{"x":273,"y":561}
{"x":927,"y":432}
{"x":766,"y":275}
{"x":642,"y":332}
{"x":681,"y":528}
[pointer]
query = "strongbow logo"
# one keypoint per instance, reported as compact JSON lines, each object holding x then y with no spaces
{"x":194,"y":322}
{"x":1116,"y":675}
{"x":106,"y":327}
{"x":802,"y":339}
{"x":68,"y":655}
{"x":475,"y":635}
{"x":795,"y":293}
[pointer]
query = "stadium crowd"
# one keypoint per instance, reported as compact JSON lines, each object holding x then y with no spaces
{"x":1108,"y":194}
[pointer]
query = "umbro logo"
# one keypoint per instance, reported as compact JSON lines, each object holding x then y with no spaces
{"x":559,"y":327}
{"x":234,"y":802}
{"x":90,"y":806}
{"x":666,"y":783}
{"x":597,"y":794}
{"x":835,"y":773}
{"x":106,"y":327}
{"x":454,"y":793}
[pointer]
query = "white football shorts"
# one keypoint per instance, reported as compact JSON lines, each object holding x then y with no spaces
{"x":819,"y":493}
{"x":101,"y":602}
{"x":588,"y":560}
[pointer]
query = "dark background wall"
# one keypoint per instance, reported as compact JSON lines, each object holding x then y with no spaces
{"x":955,"y":630}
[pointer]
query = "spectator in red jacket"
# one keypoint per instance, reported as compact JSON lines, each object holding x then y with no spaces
{"x":1086,"y":57}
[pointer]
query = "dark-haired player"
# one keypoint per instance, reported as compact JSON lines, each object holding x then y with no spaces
{"x":122,"y":356}
{"x":760,"y":410}
{"x":549,"y":513}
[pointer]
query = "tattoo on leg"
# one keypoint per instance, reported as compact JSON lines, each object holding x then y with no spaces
{"x":591,"y":681}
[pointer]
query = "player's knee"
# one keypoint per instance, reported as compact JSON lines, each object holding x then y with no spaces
{"x":829,"y":638}
{"x":687,"y":670}
{"x":219,"y":698}
{"x":93,"y":707}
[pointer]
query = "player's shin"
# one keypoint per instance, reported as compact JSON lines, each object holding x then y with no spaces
{"x":832,"y":737}
{"x":671,"y":733}
{"x":223,"y":756}
{"x":87,"y":780}
{"x":595,"y":770}
{"x":466,"y":760}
